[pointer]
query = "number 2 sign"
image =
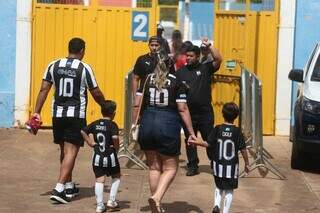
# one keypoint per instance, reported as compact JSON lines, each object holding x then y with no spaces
{"x":140,"y":26}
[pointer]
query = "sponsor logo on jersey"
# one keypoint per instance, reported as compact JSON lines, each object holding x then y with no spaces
{"x":101,"y":128}
{"x":70,"y":73}
{"x":226,"y":134}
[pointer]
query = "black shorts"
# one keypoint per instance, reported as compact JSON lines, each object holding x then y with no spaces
{"x":160,"y":131}
{"x":68,"y":130}
{"x":108,"y":167}
{"x":226,"y":183}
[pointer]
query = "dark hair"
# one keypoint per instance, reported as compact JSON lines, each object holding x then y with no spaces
{"x":76,"y":45}
{"x":154,"y":38}
{"x":176,"y":40}
{"x":230,"y":111}
{"x":108,"y":108}
{"x":185,"y":46}
{"x":194,"y":49}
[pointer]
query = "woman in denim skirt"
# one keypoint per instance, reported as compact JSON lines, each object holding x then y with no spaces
{"x":164,"y":103}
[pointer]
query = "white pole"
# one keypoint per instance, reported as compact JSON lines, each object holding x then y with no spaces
{"x":23,"y":61}
{"x":186,"y":20}
{"x":134,"y":3}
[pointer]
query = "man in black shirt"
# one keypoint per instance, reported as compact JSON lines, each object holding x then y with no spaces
{"x":198,"y":78}
{"x":71,"y":78}
{"x":145,"y":64}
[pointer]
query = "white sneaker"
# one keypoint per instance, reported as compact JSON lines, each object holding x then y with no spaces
{"x":112,"y":204}
{"x":100,"y":208}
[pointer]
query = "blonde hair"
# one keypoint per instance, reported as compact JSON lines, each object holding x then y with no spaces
{"x":160,"y":74}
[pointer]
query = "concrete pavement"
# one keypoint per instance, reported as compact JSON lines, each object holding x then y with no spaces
{"x":29,"y":169}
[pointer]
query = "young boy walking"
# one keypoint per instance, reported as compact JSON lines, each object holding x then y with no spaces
{"x":223,"y":144}
{"x":103,"y":136}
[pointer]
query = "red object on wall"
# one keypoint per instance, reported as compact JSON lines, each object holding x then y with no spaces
{"x":115,"y":3}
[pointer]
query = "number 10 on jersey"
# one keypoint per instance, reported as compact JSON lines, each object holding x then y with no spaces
{"x":140,"y":26}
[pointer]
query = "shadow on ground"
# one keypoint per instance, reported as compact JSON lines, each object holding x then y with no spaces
{"x":177,"y":206}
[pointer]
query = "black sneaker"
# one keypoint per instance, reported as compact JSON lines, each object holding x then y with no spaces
{"x":59,"y":197}
{"x":216,"y":209}
{"x":72,"y":192}
{"x":192,"y":172}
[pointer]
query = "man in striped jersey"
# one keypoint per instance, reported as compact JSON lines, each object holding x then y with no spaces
{"x":223,"y":144}
{"x":71,"y":78}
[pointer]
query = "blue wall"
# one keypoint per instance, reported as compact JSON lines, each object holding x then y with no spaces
{"x":307,"y":34}
{"x":201,"y":16}
{"x":7,"y":61}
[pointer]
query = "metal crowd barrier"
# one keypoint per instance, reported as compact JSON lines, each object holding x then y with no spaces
{"x":125,"y":150}
{"x":251,"y":122}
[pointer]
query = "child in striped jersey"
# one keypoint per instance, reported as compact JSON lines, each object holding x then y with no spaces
{"x":103,"y":136}
{"x":222,"y":145}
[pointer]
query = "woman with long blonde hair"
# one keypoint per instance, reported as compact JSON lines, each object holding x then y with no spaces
{"x":164,"y":104}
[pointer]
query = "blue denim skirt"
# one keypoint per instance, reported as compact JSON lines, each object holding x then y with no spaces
{"x":160,"y":131}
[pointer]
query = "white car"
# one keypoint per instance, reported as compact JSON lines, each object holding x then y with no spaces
{"x":305,"y":132}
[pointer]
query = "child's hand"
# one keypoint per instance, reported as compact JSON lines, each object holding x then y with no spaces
{"x":192,"y":140}
{"x":92,"y":143}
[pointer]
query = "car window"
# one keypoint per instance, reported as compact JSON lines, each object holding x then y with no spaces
{"x":310,"y":59}
{"x":316,"y":71}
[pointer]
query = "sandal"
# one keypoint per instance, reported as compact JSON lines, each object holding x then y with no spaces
{"x":153,"y":205}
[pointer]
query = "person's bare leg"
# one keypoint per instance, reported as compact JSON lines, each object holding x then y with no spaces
{"x":154,"y":164}
{"x":169,"y":171}
{"x":61,"y":159}
{"x":70,"y":154}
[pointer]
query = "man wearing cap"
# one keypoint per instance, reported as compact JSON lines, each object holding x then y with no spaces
{"x":163,"y":42}
{"x":145,"y":64}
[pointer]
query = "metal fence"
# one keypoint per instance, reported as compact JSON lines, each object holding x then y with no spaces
{"x":251,"y":123}
{"x":127,"y":148}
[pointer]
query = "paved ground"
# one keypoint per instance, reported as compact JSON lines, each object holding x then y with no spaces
{"x":29,"y":168}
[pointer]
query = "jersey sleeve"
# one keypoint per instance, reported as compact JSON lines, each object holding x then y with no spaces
{"x":241,"y":141}
{"x":138,"y":68}
{"x":89,"y":129}
{"x":114,"y":130}
{"x":91,"y":82}
{"x":48,"y":74}
{"x":181,"y":96}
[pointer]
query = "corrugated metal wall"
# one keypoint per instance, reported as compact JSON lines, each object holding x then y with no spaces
{"x":109,"y":48}
{"x":250,"y":38}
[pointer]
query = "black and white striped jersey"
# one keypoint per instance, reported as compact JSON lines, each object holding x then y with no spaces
{"x":71,"y":79}
{"x":103,"y":131}
{"x":172,"y":93}
{"x":225,"y":141}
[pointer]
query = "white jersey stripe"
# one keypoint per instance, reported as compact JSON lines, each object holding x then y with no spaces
{"x":82,"y":96}
{"x":75,"y":64}
{"x":113,"y":160}
{"x":214,"y":168}
{"x":97,"y":160}
{"x":63,"y":62}
{"x":94,"y":83}
{"x":236,"y":171}
{"x":70,"y":111}
{"x":59,"y":111}
{"x":220,"y":170}
{"x":105,"y":162}
{"x":228,"y":175}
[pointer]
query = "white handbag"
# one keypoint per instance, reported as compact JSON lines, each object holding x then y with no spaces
{"x":135,"y":132}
